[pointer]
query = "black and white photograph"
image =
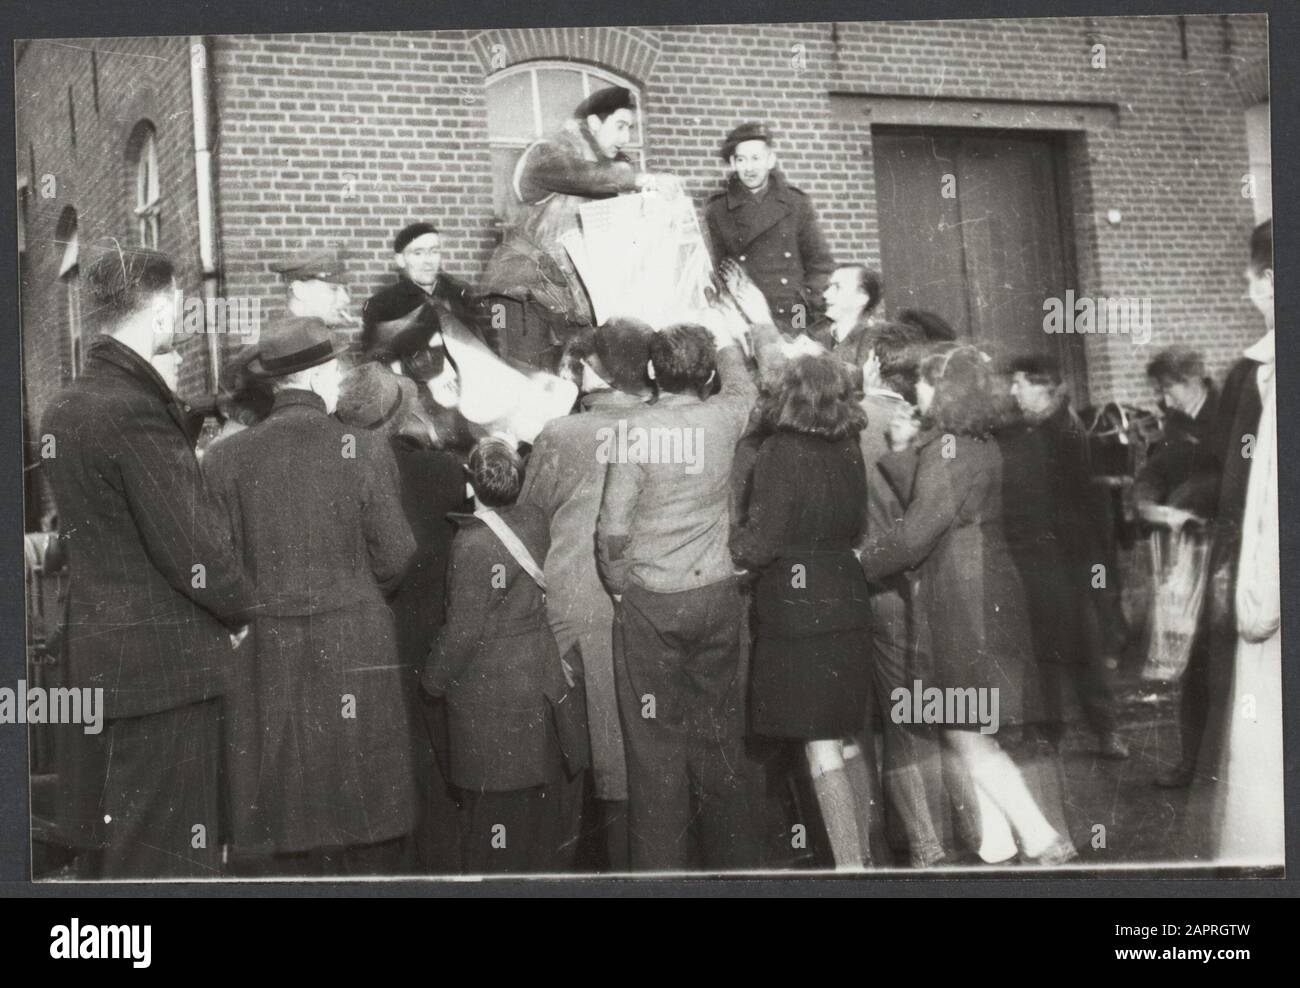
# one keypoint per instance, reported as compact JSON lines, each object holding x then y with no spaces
{"x":827,"y":449}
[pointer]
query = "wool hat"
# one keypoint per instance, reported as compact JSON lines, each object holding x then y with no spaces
{"x":745,"y":132}
{"x":605,"y":101}
{"x":372,"y":397}
{"x":412,"y":231}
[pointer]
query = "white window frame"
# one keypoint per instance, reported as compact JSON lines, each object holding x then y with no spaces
{"x":148,"y":194}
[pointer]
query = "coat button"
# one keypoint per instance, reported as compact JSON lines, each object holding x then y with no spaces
{"x":742,"y":257}
{"x":785,"y":281}
{"x":788,"y":254}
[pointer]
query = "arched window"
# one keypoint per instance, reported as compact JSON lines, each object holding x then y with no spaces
{"x":65,"y":242}
{"x":534,"y":99}
{"x":143,"y":150}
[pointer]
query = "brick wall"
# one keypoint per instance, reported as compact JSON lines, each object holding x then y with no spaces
{"x":139,"y":79}
{"x":342,"y":139}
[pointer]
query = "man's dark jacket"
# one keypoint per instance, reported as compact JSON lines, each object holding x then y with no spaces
{"x":1182,"y":466}
{"x":778,"y":242}
{"x":450,"y":297}
{"x":153,"y":568}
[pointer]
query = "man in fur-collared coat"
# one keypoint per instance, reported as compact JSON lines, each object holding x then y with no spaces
{"x":531,"y":273}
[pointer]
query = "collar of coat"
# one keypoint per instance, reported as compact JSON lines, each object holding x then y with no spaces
{"x":778,"y":191}
{"x":610,"y":398}
{"x":297,"y":398}
{"x":468,"y":519}
{"x":106,"y":350}
{"x":106,"y":355}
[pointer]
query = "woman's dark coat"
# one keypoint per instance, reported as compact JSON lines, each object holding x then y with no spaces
{"x":969,"y":592}
{"x":807,"y":509}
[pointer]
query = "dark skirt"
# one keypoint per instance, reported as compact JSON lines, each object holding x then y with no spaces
{"x":814,"y":688}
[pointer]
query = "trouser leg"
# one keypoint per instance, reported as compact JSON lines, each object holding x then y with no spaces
{"x":659,"y":797}
{"x":159,"y":794}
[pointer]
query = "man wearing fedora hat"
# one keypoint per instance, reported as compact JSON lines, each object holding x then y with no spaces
{"x":770,"y":227}
{"x":530,"y":274}
{"x":317,"y":760}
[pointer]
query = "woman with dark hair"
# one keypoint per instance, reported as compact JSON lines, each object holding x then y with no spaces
{"x":811,"y":673}
{"x":969,"y":594}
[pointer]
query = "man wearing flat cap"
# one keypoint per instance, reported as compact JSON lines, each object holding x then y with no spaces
{"x":317,"y":757}
{"x":314,"y":286}
{"x":530,"y":275}
{"x":770,"y":227}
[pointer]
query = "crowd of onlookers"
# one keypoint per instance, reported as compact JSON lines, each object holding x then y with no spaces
{"x":761,"y":597}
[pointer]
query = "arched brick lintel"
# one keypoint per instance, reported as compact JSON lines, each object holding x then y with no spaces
{"x":631,"y":52}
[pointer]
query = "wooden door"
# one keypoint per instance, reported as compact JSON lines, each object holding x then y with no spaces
{"x":971,"y":229}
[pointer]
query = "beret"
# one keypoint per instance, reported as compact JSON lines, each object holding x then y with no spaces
{"x":412,"y":231}
{"x":745,"y":132}
{"x":605,"y":101}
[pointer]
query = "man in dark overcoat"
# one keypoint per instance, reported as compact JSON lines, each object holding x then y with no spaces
{"x":771,"y":228}
{"x":156,"y":587}
{"x":316,"y":745}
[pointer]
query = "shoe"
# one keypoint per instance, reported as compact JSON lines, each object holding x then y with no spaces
{"x":1113,"y":746}
{"x":1179,"y":778}
{"x":1061,"y":851}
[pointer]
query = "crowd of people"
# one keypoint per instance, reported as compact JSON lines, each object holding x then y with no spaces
{"x":791,"y":583}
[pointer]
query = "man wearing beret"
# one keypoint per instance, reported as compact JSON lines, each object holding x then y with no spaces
{"x":770,"y":227}
{"x":417,"y":252}
{"x":317,"y":755}
{"x":530,"y":275}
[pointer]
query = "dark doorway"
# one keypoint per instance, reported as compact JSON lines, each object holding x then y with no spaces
{"x":972,"y":227}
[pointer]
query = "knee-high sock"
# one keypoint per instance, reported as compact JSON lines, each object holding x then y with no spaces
{"x":996,"y":776}
{"x":834,"y":795}
{"x":983,"y":826}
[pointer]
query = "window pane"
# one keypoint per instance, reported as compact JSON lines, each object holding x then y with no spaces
{"x":561,"y":91}
{"x":151,"y":161}
{"x":510,"y":108}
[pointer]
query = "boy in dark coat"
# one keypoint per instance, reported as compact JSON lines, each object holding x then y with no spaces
{"x":497,"y":663}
